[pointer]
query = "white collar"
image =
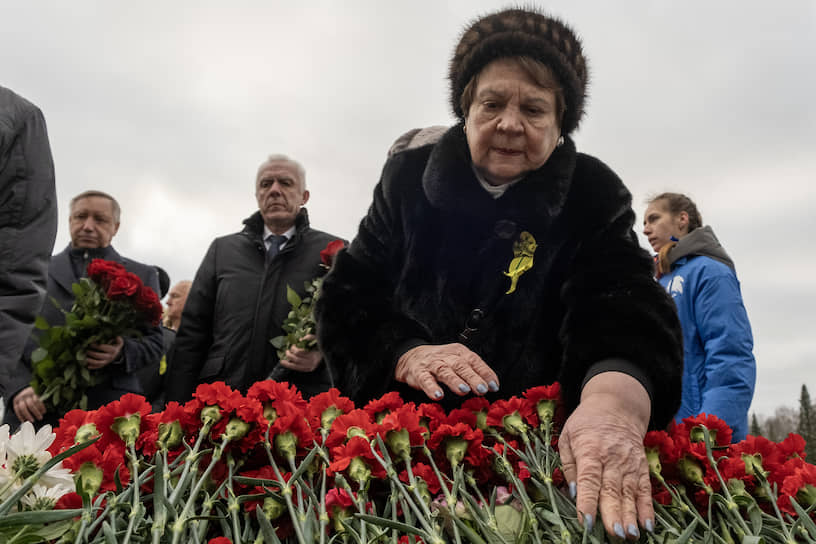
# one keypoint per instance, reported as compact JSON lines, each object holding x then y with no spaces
{"x":494,"y":191}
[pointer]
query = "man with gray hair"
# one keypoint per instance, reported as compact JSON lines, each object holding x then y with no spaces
{"x":238,"y":302}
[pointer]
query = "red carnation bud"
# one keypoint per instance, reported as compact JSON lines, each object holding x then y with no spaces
{"x":327,"y":255}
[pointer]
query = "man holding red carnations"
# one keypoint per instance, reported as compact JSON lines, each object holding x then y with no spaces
{"x":238,"y":300}
{"x":93,"y":222}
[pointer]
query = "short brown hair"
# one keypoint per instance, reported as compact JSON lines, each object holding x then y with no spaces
{"x":542,"y":74}
{"x":117,"y":211}
{"x":676,"y":203}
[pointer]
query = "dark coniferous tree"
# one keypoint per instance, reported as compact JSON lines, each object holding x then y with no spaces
{"x":807,"y":423}
{"x":756,"y":430}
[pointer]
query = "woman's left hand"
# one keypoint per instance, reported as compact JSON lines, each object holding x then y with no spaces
{"x":603,"y":458}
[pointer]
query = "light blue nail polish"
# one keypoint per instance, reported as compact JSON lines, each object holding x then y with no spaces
{"x":619,"y":530}
{"x":649,"y":525}
{"x":438,"y":394}
{"x":481,"y":388}
{"x":464,"y":388}
{"x":573,"y":490}
{"x":493,"y":386}
{"x":633,"y":530}
{"x":589,"y":521}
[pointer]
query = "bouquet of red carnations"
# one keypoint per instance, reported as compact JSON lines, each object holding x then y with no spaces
{"x":301,"y":322}
{"x":110,"y":302}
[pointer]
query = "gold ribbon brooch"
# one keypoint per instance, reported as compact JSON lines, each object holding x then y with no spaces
{"x":523,"y":250}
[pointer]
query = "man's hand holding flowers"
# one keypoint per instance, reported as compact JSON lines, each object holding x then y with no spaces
{"x":302,"y":359}
{"x":101,"y":355}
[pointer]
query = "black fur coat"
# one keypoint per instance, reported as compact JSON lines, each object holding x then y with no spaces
{"x":434,"y":246}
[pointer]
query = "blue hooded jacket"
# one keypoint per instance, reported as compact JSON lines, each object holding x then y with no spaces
{"x":719,"y":368}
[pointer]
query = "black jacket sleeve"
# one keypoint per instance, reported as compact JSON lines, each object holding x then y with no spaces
{"x":28,"y":224}
{"x":360,"y":332}
{"x":617,"y":316}
{"x":195,"y":335}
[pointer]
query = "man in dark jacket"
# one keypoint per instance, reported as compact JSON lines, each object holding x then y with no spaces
{"x":28,"y":223}
{"x":93,"y":222}
{"x":237,"y":302}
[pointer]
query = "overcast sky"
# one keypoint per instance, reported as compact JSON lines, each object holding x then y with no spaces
{"x":171,"y":107}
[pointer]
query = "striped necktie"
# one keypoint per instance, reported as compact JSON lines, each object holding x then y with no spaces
{"x":275,"y":242}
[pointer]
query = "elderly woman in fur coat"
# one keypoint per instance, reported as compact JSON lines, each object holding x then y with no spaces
{"x":495,"y":257}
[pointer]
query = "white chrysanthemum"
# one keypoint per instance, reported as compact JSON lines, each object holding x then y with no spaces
{"x":25,"y":442}
{"x":43,"y":497}
{"x":27,"y":451}
{"x":4,"y":440}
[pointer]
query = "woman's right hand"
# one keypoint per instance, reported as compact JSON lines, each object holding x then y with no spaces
{"x":454,"y":365}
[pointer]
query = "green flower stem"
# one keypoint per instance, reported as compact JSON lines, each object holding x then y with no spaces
{"x":286,"y":492}
{"x":519,"y":491}
{"x":394,"y":503}
{"x":422,"y":511}
{"x":191,"y":463}
{"x":684,"y":504}
{"x":767,"y":488}
{"x":232,"y":505}
{"x":159,"y":496}
{"x":731,"y":505}
{"x":179,"y":524}
{"x":136,"y":506}
{"x":450,"y":496}
{"x":324,"y":516}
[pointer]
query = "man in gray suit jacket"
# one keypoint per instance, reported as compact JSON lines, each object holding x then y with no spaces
{"x":93,"y":222}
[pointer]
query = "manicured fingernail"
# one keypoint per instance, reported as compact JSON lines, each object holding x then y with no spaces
{"x":573,"y":490}
{"x":481,"y":388}
{"x":633,"y":530}
{"x":649,"y":525}
{"x":589,"y":521}
{"x":619,"y":530}
{"x":493,"y":386}
{"x":464,"y":388}
{"x":438,"y":394}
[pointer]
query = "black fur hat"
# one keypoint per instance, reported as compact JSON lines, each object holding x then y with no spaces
{"x":522,"y":32}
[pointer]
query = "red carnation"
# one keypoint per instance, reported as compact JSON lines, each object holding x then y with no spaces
{"x":123,"y":285}
{"x":102,"y":272}
{"x":356,"y":460}
{"x":325,"y":407}
{"x":799,"y":485}
{"x":426,"y":473}
{"x":121,"y":420}
{"x":356,"y":422}
{"x":386,"y":404}
{"x":147,"y":302}
{"x":327,"y":254}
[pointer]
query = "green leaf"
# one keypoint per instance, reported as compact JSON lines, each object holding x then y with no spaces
{"x":267,"y":530}
{"x":391,"y":524}
{"x":278,"y":342}
{"x":41,"y":323}
{"x":38,"y":355}
{"x":292,"y":297}
{"x":37,"y":517}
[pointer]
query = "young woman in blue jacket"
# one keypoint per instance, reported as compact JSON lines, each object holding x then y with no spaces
{"x":719,"y":367}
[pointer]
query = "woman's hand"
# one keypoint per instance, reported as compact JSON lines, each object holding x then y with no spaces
{"x":602,"y":453}
{"x":452,"y":364}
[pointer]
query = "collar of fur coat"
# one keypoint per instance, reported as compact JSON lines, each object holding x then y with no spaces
{"x":450,"y":184}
